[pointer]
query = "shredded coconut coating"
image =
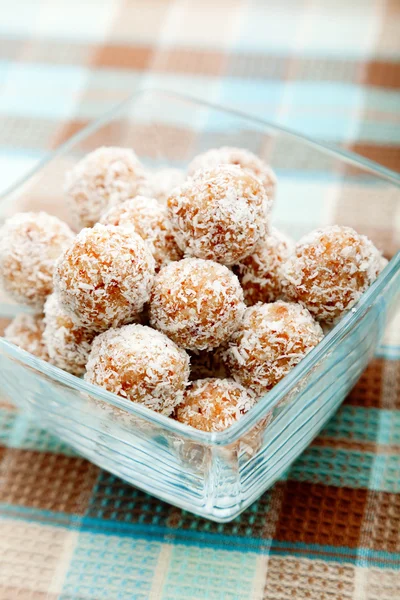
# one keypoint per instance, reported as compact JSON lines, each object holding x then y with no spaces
{"x":162,"y":181}
{"x":214,"y":404}
{"x":30,"y":244}
{"x":330,"y":269}
{"x":105,"y":277}
{"x":207,"y":363}
{"x":197,"y":303}
{"x":240,"y":157}
{"x":26,"y":331}
{"x":140,"y":364}
{"x":150,"y":220}
{"x":272,"y":339}
{"x":103,"y":178}
{"x":221,"y":214}
{"x":68,"y":343}
{"x":260,"y":274}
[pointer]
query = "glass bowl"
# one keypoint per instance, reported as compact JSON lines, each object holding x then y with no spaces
{"x":216,"y":475}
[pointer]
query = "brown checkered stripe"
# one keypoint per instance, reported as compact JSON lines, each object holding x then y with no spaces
{"x":293,"y":511}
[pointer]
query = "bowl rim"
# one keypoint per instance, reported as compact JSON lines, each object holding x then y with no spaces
{"x":345,"y":155}
{"x":269,"y":400}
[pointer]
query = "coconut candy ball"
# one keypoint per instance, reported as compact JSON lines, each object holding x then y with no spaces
{"x":105,"y":277}
{"x":330,"y":269}
{"x":272,"y":339}
{"x":103,"y":178}
{"x":214,"y":404}
{"x":26,"y":331}
{"x":140,"y":364}
{"x":260,"y":274}
{"x":150,"y":220}
{"x":68,"y":343}
{"x":162,"y":181}
{"x":221,"y":214}
{"x":240,"y":157}
{"x":30,"y":244}
{"x":197,"y":303}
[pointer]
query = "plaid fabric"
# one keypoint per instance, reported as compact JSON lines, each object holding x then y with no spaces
{"x":330,"y":529}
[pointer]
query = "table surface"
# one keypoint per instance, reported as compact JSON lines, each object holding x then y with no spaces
{"x":331,"y":528}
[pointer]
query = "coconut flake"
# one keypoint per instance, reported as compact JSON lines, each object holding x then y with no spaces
{"x":102,"y":179}
{"x":260,"y":273}
{"x":237,"y":156}
{"x":214,"y":404}
{"x":105,"y":277}
{"x":30,"y":244}
{"x":68,"y":342}
{"x":197,"y":303}
{"x":272,"y":339}
{"x":150,"y":220}
{"x":26,"y":331}
{"x":161,"y":182}
{"x":330,"y":269}
{"x":221,"y":214}
{"x":140,"y":364}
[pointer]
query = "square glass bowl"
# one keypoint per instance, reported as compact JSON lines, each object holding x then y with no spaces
{"x":216,"y":475}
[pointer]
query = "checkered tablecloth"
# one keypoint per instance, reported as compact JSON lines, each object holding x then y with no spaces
{"x":330,"y":530}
